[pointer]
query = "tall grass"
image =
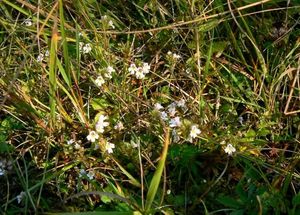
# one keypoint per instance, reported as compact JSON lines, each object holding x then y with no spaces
{"x":149,"y":107}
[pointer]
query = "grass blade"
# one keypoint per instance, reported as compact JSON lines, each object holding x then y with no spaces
{"x":158,"y":173}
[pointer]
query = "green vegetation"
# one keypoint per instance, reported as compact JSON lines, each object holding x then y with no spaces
{"x":149,"y":107}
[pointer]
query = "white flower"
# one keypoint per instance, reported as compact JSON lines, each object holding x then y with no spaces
{"x":145,"y":68}
{"x":2,"y":171}
{"x":139,"y":74}
{"x":109,"y":147}
{"x":176,"y":56}
{"x":109,"y":71}
{"x":81,"y":44}
{"x":223,"y":142}
{"x":69,"y":142}
{"x":104,"y":17}
{"x":175,"y":136}
{"x":175,"y":122}
{"x":91,"y":175}
{"x":40,"y":57}
{"x":99,"y":81}
{"x":47,"y":53}
{"x":20,"y":197}
{"x":86,"y":48}
{"x":111,"y":24}
{"x":93,"y":136}
{"x":164,"y":116}
{"x":172,"y":109}
{"x":169,"y":53}
{"x":82,"y":173}
{"x":181,"y":103}
{"x":101,"y":124}
{"x":28,"y":22}
{"x":132,"y":69}
{"x":241,"y":120}
{"x":77,"y":146}
{"x":229,"y":149}
{"x":158,"y":106}
{"x":133,"y":144}
{"x":194,"y":131}
{"x":168,"y":192}
{"x":119,"y":126}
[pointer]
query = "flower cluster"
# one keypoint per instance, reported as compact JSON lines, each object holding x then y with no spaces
{"x":41,"y":56}
{"x":108,"y":74}
{"x":170,"y":115}
{"x":77,"y":146}
{"x":174,"y":55}
{"x":99,"y":127}
{"x":90,"y":175}
{"x":85,"y":48}
{"x":139,"y":72}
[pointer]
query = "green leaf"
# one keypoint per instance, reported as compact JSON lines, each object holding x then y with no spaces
{"x":229,"y":202}
{"x":158,"y":173}
{"x":4,"y":147}
{"x":100,"y":104}
{"x":296,"y":200}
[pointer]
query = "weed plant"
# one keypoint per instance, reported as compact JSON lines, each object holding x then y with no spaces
{"x":149,"y":107}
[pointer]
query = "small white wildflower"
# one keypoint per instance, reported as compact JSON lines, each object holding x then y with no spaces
{"x":86,"y":48}
{"x":175,"y":122}
{"x":28,"y":22}
{"x":81,"y":44}
{"x":145,"y":68}
{"x":119,"y":126}
{"x":181,"y":103}
{"x":40,"y":57}
{"x":169,"y":53}
{"x":132,"y":69}
{"x":101,"y":124}
{"x":241,"y":120}
{"x":172,"y":109}
{"x":158,"y":106}
{"x":168,"y":192}
{"x":21,"y":196}
{"x":47,"y":53}
{"x":139,"y":74}
{"x":104,"y":17}
{"x":109,"y":147}
{"x":133,"y":144}
{"x":175,"y":136}
{"x":111,"y":24}
{"x":77,"y":146}
{"x":69,"y":142}
{"x":93,"y":136}
{"x":2,"y":171}
{"x":90,"y":175}
{"x":229,"y":149}
{"x":82,"y":173}
{"x":223,"y":142}
{"x":164,"y":116}
{"x":109,"y":71}
{"x":176,"y":56}
{"x":99,"y":81}
{"x":194,"y":131}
